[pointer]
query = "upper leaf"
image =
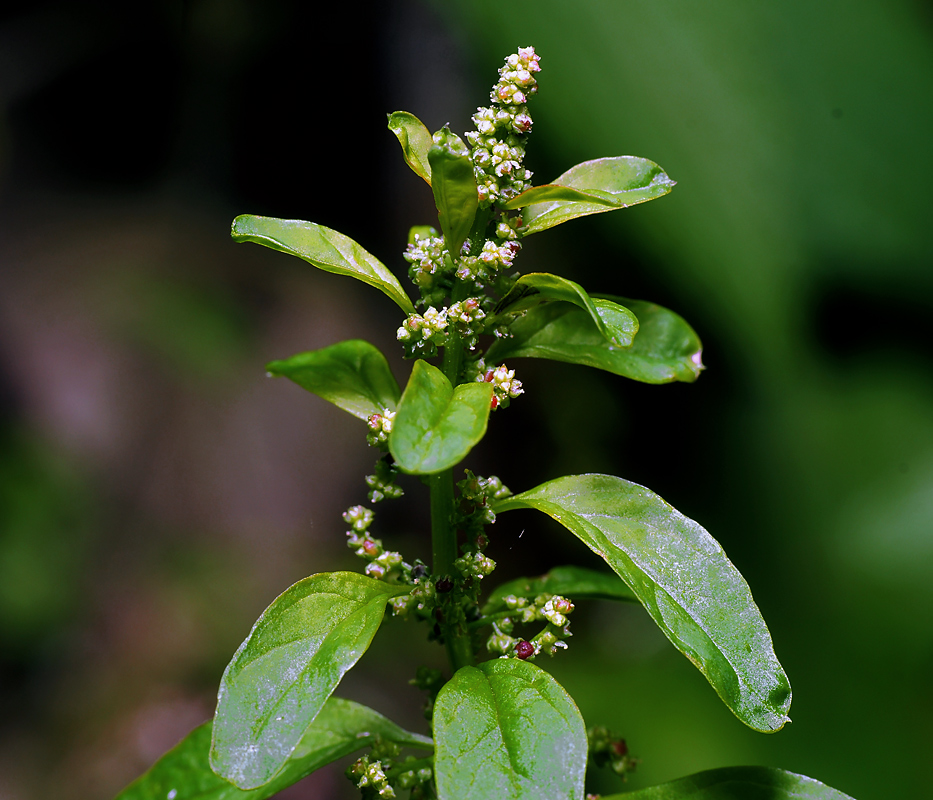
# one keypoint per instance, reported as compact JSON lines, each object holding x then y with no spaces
{"x":615,"y":323}
{"x":507,"y":729}
{"x":681,"y":575}
{"x":415,"y":140}
{"x":324,"y":248}
{"x":436,"y":424}
{"x":342,"y":727}
{"x":578,"y":583}
{"x":353,"y":375}
{"x":454,"y":186}
{"x":665,"y":349}
{"x":552,"y":192}
{"x":281,"y":676}
{"x":627,"y":179}
{"x":738,"y":783}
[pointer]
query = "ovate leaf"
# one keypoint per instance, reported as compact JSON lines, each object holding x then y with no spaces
{"x":627,"y":179}
{"x":507,"y":729}
{"x":353,"y":375}
{"x":281,"y":676}
{"x":341,"y":728}
{"x":552,"y":192}
{"x":436,"y":424}
{"x":415,"y":140}
{"x":681,"y":575}
{"x":326,"y":249}
{"x":577,"y":583}
{"x":665,"y":349}
{"x":454,"y":187}
{"x":615,"y":323}
{"x":738,"y":783}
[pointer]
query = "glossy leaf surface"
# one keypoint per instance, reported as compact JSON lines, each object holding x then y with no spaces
{"x":281,"y":676}
{"x":436,"y":424}
{"x":577,"y":583}
{"x":552,"y":192}
{"x":615,"y":323}
{"x":507,"y":729}
{"x":342,"y":727}
{"x":681,"y":575}
{"x":353,"y":375}
{"x":628,"y":179}
{"x":738,"y":783}
{"x":454,"y":186}
{"x":323,"y":247}
{"x":665,"y":348}
{"x":415,"y":140}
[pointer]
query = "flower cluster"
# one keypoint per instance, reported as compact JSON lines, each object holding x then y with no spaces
{"x":606,"y":748}
{"x":467,"y":317}
{"x":371,"y":778}
{"x":383,"y":564}
{"x":380,"y":426}
{"x":498,"y":146}
{"x":382,"y":483}
{"x":552,"y":609}
{"x":505,"y":387}
{"x":428,"y":270}
{"x":422,"y":335}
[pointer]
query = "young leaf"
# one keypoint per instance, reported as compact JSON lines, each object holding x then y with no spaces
{"x":342,"y":727}
{"x":665,"y":349}
{"x":614,"y":322}
{"x":681,"y":575}
{"x":437,"y":424}
{"x":326,"y":249}
{"x":454,"y":187}
{"x":353,"y":375}
{"x":415,"y":140}
{"x":628,"y":179}
{"x":283,"y":673}
{"x":577,"y":583}
{"x":507,"y":729}
{"x":738,"y":783}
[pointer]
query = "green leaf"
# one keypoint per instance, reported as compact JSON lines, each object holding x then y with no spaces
{"x":628,"y":179}
{"x":454,"y":187}
{"x":436,"y":424}
{"x":283,"y":673}
{"x":681,"y":575}
{"x":576,"y":583}
{"x":614,"y":322}
{"x":507,"y":729}
{"x":342,"y":727}
{"x":353,"y":375}
{"x":415,"y":140}
{"x":552,"y":192}
{"x":738,"y":783}
{"x":326,"y":249}
{"x":665,"y":349}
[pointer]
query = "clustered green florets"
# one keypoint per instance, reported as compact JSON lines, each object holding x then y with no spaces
{"x":550,"y":608}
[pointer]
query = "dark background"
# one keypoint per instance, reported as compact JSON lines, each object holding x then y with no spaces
{"x":157,"y":491}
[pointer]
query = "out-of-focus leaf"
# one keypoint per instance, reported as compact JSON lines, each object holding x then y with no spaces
{"x":738,"y":783}
{"x":577,"y":583}
{"x":552,"y":192}
{"x":417,"y":232}
{"x":436,"y":424}
{"x":454,"y":186}
{"x":665,"y":348}
{"x":353,"y":375}
{"x":323,"y":247}
{"x":614,"y":322}
{"x":628,"y":179}
{"x":507,"y":729}
{"x":681,"y":575}
{"x":281,"y":676}
{"x":342,"y":727}
{"x":415,"y":140}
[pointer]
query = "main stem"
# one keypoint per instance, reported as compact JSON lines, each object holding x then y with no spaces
{"x":443,"y":536}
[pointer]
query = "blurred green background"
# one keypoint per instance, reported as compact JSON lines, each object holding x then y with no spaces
{"x":156,"y":491}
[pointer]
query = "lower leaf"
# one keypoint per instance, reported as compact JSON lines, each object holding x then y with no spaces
{"x":507,"y":730}
{"x":342,"y":727}
{"x":738,"y":783}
